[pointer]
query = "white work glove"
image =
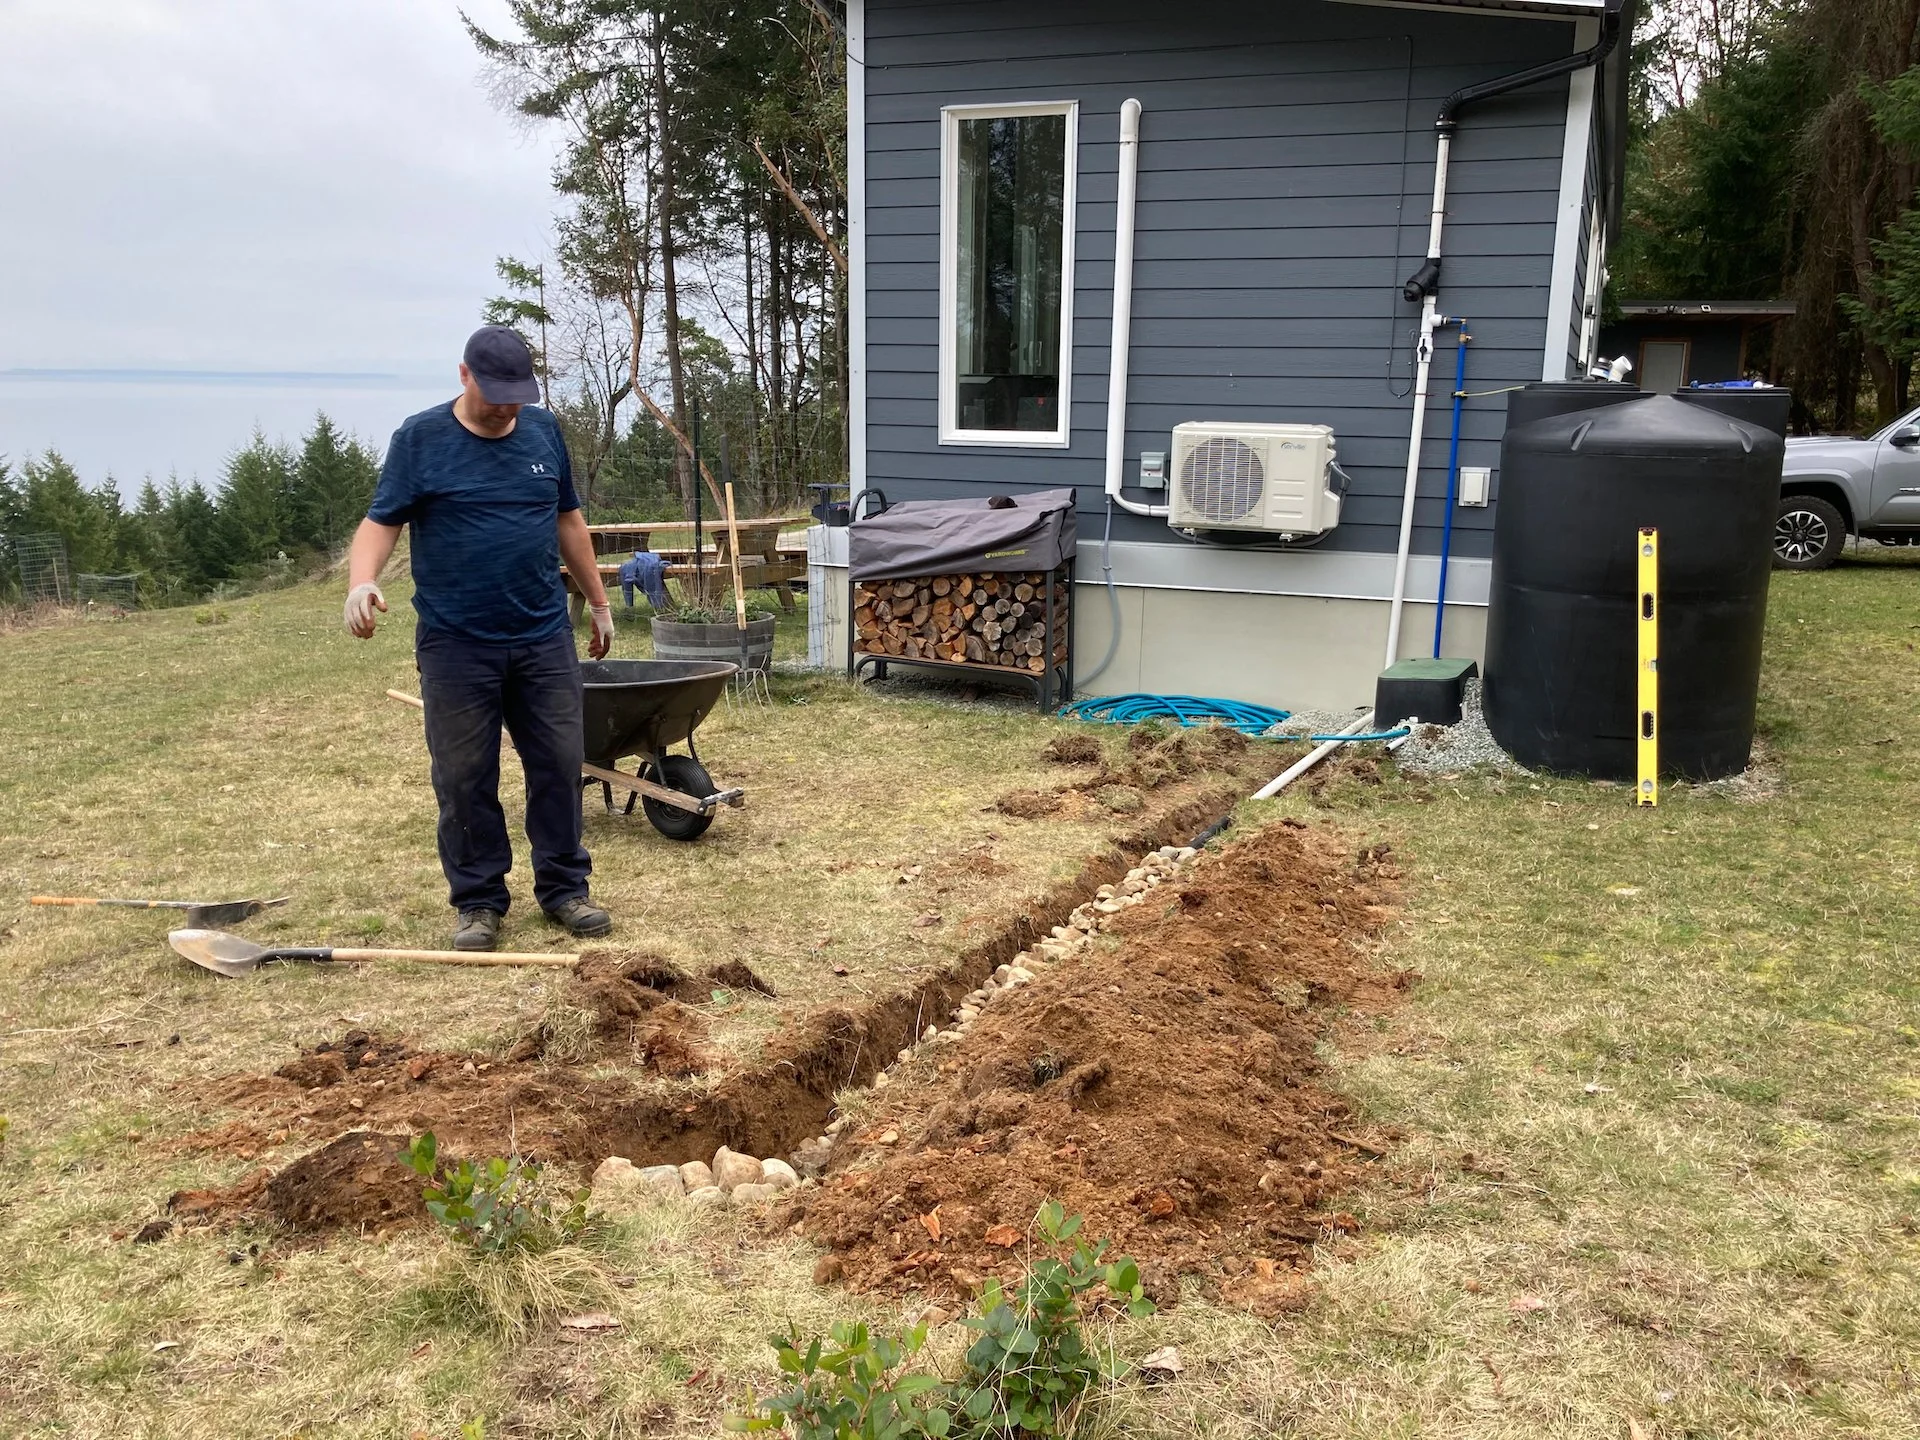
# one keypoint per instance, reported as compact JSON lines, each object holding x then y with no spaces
{"x":602,"y":641}
{"x":362,"y":601}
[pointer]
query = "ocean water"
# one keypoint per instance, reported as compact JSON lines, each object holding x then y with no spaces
{"x":132,"y":424}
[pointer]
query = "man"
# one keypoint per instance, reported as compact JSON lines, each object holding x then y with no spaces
{"x":487,"y":491}
{"x":648,"y":571}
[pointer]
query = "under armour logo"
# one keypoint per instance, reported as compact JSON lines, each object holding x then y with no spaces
{"x":539,"y":468}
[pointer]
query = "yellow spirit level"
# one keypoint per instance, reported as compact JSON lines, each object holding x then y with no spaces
{"x":1647,"y":792}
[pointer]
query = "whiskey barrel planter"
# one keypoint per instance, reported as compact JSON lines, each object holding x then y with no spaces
{"x":722,"y":640}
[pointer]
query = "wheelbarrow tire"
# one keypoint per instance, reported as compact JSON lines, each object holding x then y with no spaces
{"x":689,"y":777}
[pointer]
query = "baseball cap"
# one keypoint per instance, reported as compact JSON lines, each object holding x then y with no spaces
{"x":501,"y":366}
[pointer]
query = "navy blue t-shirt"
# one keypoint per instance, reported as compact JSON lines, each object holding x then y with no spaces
{"x":486,"y":556}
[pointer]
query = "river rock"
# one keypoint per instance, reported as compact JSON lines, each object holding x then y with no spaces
{"x":706,"y":1195}
{"x":663,"y":1180}
{"x":696,"y":1175}
{"x":731,"y":1169}
{"x":616,"y":1172}
{"x":754,"y":1194}
{"x":779,"y":1174}
{"x":810,"y":1156}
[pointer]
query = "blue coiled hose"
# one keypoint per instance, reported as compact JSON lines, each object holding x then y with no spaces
{"x":1198,"y":710}
{"x":1181,"y":709}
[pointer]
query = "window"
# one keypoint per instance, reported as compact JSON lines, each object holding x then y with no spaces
{"x":1006,"y":273}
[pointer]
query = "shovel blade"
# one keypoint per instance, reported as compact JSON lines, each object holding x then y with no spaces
{"x":214,"y":950}
{"x":228,"y":912}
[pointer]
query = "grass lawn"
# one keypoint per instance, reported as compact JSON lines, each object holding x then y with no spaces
{"x":1662,"y":1076}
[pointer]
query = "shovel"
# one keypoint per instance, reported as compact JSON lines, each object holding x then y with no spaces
{"x":234,"y":955}
{"x":200,"y":914}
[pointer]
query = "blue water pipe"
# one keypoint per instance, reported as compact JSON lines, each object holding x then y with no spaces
{"x":1453,"y":480}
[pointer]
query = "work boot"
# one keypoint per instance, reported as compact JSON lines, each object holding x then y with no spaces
{"x":477,"y":930}
{"x":580,"y":917}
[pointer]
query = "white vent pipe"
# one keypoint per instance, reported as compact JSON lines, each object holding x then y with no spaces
{"x":1123,"y":313}
{"x":1430,"y":320}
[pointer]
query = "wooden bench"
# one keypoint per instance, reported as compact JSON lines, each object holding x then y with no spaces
{"x":750,"y":567}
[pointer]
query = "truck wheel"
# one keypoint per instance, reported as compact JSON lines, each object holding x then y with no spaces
{"x":1808,"y":535}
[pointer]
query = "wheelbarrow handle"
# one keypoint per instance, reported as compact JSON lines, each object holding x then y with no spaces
{"x":447,"y":957}
{"x":95,"y":900}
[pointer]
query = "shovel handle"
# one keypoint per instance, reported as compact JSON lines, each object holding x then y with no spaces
{"x":455,"y":957}
{"x":95,"y":900}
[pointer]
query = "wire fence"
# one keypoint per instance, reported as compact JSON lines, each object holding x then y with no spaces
{"x":44,"y":577}
{"x":119,"y":591}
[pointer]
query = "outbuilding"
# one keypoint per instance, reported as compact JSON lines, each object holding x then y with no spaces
{"x":1211,"y":265}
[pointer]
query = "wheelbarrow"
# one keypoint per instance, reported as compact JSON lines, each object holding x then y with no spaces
{"x":643,"y":708}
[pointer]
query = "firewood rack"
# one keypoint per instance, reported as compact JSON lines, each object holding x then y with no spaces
{"x":1052,"y":686}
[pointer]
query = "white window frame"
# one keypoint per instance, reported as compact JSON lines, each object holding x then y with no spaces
{"x":951,"y":117}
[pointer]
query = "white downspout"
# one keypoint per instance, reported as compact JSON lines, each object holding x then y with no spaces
{"x":1430,"y":320}
{"x":1123,"y":313}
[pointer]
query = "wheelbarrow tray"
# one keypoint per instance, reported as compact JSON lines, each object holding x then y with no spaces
{"x":641,"y":707}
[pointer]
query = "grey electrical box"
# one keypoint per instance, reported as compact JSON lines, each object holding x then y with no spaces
{"x":1476,"y":482}
{"x":1153,"y":470}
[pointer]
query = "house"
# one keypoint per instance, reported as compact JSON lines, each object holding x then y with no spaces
{"x":1673,"y":344}
{"x":1282,"y":186}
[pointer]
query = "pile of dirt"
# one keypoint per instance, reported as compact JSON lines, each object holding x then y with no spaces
{"x":1152,"y":759}
{"x":1074,"y":750}
{"x":357,"y":1182}
{"x":1166,"y":1089}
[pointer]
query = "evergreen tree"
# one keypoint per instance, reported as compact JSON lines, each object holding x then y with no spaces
{"x":54,"y":502}
{"x":254,"y":504}
{"x":332,"y":482}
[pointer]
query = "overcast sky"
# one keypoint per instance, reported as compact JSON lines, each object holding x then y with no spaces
{"x":244,"y":186}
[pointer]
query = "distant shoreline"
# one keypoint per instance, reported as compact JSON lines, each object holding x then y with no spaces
{"x":355,"y":379}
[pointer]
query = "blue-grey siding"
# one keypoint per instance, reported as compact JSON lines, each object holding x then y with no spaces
{"x":1286,"y":171}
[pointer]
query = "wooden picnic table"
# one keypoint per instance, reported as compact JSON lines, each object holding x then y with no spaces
{"x":750,"y":565}
{"x":771,"y":563}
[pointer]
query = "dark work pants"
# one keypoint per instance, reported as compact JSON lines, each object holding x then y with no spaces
{"x":470,"y":690}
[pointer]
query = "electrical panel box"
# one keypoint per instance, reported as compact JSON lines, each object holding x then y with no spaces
{"x":1153,"y":469}
{"x":1476,"y":483}
{"x":1237,"y":476}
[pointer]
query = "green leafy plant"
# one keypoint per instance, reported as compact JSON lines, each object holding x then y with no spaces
{"x":716,"y":611}
{"x":1031,"y":1364}
{"x":856,"y":1388}
{"x":1024,"y":1377}
{"x":494,"y":1206}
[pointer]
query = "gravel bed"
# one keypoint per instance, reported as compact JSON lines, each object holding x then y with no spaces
{"x":1449,"y":749}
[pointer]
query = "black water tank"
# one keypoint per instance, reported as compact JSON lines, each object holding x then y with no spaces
{"x":1583,"y":468}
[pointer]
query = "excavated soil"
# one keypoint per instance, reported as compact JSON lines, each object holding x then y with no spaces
{"x":1167,"y":1089}
{"x":635,"y":1100}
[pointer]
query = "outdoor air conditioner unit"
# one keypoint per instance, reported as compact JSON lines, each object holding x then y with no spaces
{"x":1233,"y":476}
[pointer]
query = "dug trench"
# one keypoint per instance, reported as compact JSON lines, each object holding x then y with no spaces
{"x":355,"y":1100}
{"x":1162,"y":1081}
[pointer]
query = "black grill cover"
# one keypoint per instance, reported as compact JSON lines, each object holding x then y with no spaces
{"x":952,"y":537}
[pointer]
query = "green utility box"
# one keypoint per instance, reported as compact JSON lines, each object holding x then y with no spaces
{"x":1429,"y":689}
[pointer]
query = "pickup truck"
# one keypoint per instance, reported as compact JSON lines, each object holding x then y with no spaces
{"x":1834,"y":486}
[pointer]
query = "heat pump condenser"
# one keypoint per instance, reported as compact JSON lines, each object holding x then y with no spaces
{"x":1236,"y":476}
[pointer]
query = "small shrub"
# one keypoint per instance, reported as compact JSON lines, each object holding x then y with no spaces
{"x":858,"y":1389}
{"x":1031,"y":1365}
{"x":1024,"y":1377}
{"x":1121,"y":799}
{"x":210,"y":615}
{"x":495,"y":1206}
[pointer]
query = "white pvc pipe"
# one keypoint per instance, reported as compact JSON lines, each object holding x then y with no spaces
{"x":1122,"y":342}
{"x":1423,"y":358}
{"x":1312,"y":758}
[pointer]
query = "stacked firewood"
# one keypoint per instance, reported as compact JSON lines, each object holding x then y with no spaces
{"x":964,"y":619}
